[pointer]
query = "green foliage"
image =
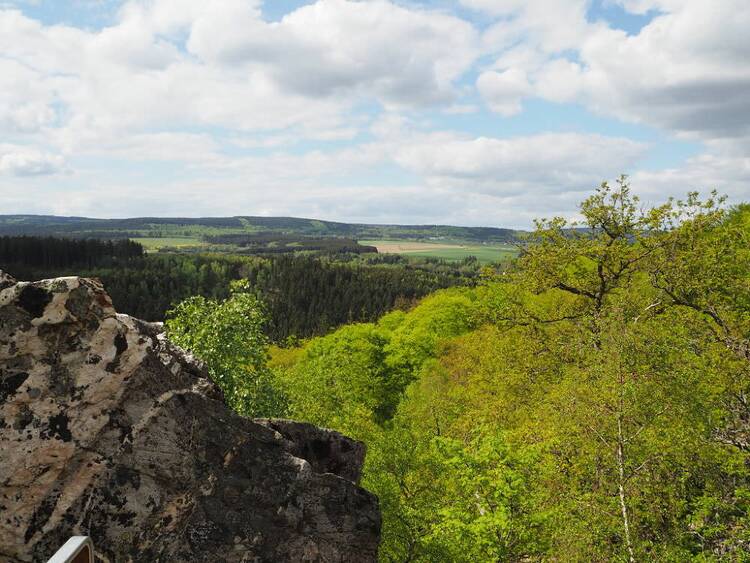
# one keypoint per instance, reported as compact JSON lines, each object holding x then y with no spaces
{"x":228,"y":336}
{"x":482,"y":509}
{"x":439,"y":317}
{"x":341,"y":380}
{"x":446,"y":499}
{"x":589,"y":404}
{"x":355,"y":377}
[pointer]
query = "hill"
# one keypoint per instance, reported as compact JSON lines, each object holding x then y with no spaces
{"x":150,"y":227}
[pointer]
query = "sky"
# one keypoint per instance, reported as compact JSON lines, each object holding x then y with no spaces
{"x":464,"y":112}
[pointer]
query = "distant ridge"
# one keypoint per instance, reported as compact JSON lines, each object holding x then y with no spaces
{"x":147,"y":226}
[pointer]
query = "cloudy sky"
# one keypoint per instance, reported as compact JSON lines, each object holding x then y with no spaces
{"x":471,"y":112}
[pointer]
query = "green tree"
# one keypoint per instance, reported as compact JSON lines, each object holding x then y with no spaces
{"x":228,"y":336}
{"x":586,"y":404}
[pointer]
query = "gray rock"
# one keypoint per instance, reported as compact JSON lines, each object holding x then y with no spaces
{"x":6,"y":280}
{"x":108,"y":430}
{"x":326,"y":451}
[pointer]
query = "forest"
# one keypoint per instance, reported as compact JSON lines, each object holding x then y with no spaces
{"x":589,"y":403}
{"x":279,"y":243}
{"x":50,"y":252}
{"x":303,"y":294}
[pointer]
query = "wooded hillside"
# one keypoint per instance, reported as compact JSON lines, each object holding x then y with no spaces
{"x":591,"y":404}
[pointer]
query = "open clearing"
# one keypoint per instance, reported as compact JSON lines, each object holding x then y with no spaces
{"x":447,"y":251}
{"x":152,"y":244}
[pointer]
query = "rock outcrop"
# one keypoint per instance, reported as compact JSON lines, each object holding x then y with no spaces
{"x":108,"y":430}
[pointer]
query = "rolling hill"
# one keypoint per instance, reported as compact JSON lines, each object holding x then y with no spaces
{"x":160,"y":227}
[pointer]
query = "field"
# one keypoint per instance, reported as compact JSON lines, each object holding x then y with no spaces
{"x":275,"y":235}
{"x":152,"y":244}
{"x":452,"y":251}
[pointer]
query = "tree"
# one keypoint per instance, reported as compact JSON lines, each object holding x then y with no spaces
{"x":228,"y":336}
{"x":587,"y":404}
{"x":704,"y":270}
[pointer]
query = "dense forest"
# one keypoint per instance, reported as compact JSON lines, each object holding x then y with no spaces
{"x":27,"y":252}
{"x":279,"y":243}
{"x":303,"y":295}
{"x":588,"y":404}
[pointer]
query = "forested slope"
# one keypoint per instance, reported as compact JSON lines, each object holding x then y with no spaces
{"x":303,"y":295}
{"x":244,"y":225}
{"x":589,"y":405}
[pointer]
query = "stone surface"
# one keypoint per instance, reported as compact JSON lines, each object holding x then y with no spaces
{"x":325,"y":450}
{"x":108,"y":430}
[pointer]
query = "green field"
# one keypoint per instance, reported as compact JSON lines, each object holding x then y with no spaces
{"x":152,"y":244}
{"x":449,"y":250}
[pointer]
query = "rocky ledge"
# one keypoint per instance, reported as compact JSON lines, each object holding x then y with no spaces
{"x":108,"y":430}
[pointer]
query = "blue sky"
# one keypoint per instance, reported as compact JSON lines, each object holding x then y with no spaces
{"x":472,"y":112}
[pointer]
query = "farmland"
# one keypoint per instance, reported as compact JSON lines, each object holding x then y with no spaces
{"x":273,"y":235}
{"x":152,"y":244}
{"x":444,"y":250}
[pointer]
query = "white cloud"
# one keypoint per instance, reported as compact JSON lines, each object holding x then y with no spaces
{"x":687,"y":71}
{"x":503,"y":91}
{"x":728,"y":173}
{"x":194,"y":108}
{"x":220,"y":64}
{"x":461,"y":109}
{"x":25,"y":102}
{"x":559,"y":80}
{"x":27,"y":161}
{"x":456,"y":179}
{"x":194,"y":149}
{"x":531,"y":164}
{"x":339,"y":47}
{"x":642,"y":7}
{"x":550,"y":25}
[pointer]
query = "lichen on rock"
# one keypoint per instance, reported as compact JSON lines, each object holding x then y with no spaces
{"x":108,"y":430}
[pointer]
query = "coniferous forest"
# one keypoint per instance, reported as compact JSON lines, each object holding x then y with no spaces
{"x":303,"y":294}
{"x":30,"y":253}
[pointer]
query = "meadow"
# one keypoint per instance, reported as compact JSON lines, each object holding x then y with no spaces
{"x":153,"y":244}
{"x":444,"y":250}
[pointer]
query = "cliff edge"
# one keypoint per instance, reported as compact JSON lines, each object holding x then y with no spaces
{"x":108,"y":430}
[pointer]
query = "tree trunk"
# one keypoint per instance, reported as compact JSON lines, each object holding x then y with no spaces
{"x":621,"y":488}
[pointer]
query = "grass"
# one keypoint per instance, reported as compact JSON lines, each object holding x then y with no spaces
{"x":451,"y":251}
{"x":152,"y":244}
